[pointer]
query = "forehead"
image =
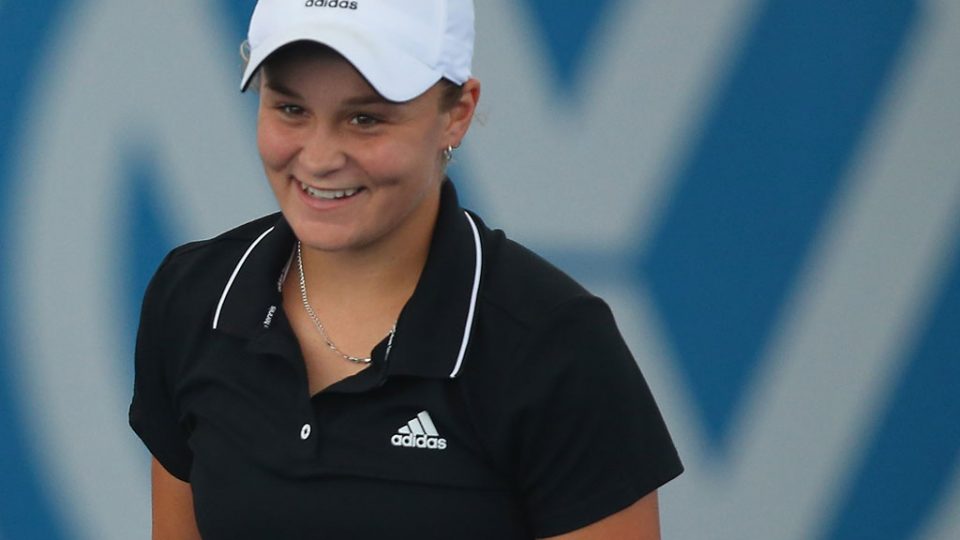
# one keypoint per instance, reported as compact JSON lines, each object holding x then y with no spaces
{"x":309,"y":67}
{"x":313,"y":64}
{"x":302,"y":51}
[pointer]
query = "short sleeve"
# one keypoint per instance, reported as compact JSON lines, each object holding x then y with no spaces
{"x":153,"y":413}
{"x":587,"y":437}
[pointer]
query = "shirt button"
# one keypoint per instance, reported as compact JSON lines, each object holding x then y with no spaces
{"x":305,"y":432}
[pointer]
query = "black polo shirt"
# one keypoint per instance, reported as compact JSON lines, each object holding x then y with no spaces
{"x":506,"y":406}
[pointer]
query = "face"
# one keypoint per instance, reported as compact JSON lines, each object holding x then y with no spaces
{"x":350,"y":170}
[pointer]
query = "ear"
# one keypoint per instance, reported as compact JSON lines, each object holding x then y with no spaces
{"x":460,"y":116}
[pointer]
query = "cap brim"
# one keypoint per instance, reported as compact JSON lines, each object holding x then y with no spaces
{"x":394,"y":74}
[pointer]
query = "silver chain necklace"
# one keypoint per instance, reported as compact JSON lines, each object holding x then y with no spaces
{"x":319,"y":325}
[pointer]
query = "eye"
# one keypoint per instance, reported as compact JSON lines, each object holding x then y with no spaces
{"x":365,"y":120}
{"x":290,"y":110}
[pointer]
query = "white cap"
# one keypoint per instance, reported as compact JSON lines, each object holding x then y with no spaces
{"x":402,"y":47}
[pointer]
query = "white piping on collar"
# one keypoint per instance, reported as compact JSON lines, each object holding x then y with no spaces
{"x":286,"y":269}
{"x":473,"y":297}
{"x":226,"y":290}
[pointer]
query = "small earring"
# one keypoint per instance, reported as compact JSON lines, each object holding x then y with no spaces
{"x":448,"y":154}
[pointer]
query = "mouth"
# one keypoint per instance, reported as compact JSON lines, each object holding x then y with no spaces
{"x":329,"y":194}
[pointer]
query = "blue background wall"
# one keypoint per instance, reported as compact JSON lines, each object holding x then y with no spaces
{"x":767,"y":191}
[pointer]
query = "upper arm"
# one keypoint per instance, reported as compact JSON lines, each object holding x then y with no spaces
{"x":154,"y":412}
{"x":639,"y":521}
{"x":173,"y":517}
{"x":583,"y":436}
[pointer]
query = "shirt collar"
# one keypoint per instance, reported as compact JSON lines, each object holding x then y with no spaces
{"x":434,"y":328}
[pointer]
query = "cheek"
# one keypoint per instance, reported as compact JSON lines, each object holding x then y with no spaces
{"x":387,"y":157}
{"x":277,"y":146}
{"x":410,"y":153}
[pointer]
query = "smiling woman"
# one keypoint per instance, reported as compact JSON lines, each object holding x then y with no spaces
{"x":375,"y":361}
{"x":349,"y":168}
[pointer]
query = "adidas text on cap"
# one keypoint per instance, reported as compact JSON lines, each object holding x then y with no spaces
{"x":402,"y":47}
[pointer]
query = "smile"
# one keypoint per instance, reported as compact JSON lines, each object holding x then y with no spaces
{"x":329,"y":194}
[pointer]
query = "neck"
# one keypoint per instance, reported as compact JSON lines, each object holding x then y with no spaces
{"x":376,"y":278}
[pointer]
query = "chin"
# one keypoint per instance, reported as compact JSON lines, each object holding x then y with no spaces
{"x":330,"y":238}
{"x":325,"y":240}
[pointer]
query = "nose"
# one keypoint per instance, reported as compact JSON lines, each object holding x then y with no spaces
{"x":322,"y":154}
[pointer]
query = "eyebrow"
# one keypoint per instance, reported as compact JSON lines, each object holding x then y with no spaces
{"x":367,"y":99}
{"x":356,"y":101}
{"x":281,"y":89}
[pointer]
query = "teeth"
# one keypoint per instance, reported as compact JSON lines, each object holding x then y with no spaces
{"x":328,"y":194}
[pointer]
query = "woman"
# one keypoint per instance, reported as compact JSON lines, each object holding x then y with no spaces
{"x":374,"y":361}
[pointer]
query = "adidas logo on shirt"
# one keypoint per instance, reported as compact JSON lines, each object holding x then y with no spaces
{"x":419,"y":433}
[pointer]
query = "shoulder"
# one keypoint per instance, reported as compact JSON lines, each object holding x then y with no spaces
{"x":536,"y":322}
{"x":204,"y":261}
{"x":556,"y":396}
{"x":524,"y":287}
{"x":528,"y":306}
{"x":193,"y":275}
{"x":195,"y":259}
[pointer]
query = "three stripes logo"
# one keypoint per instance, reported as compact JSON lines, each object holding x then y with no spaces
{"x":419,"y":432}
